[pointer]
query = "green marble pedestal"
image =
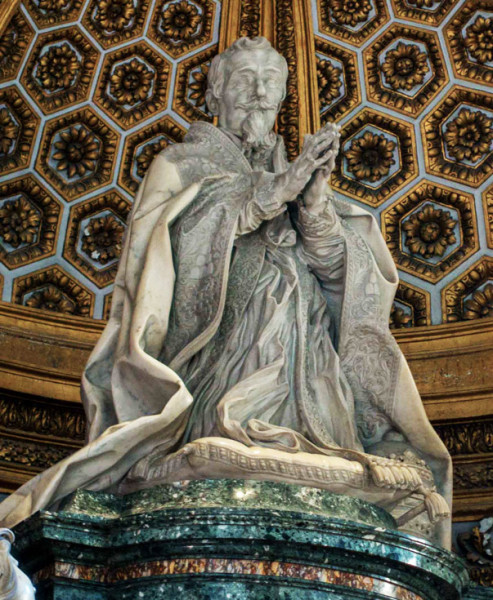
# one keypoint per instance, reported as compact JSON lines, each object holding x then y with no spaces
{"x":230,"y":539}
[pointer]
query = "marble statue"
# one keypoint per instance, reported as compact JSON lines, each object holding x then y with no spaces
{"x":249,"y":334}
{"x":14,"y":584}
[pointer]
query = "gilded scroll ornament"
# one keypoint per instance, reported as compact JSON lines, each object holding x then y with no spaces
{"x":27,"y":455}
{"x":115,"y":21}
{"x":431,"y":230}
{"x":249,"y":18}
{"x":455,"y":295}
{"x":469,"y":36}
{"x":94,"y":236}
{"x":377,"y":157}
{"x":133,"y":84}
{"x":29,"y":221}
{"x":60,"y":69}
{"x":405,"y":68}
{"x":18,"y":127}
{"x":338,"y":80}
{"x":179,"y":27}
{"x":14,"y":43}
{"x":480,"y":305}
{"x":142,"y":146}
{"x":55,"y":290}
{"x":77,"y":153}
{"x":352,"y":21}
{"x":464,"y":153}
{"x":431,"y":12}
{"x":467,"y":437}
{"x":46,"y":13}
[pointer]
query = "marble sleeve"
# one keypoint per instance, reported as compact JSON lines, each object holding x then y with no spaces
{"x":264,"y":204}
{"x":323,"y":246}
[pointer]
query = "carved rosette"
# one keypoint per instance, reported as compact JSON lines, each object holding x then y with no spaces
{"x":352,"y":21}
{"x":181,"y":26}
{"x":95,"y":236}
{"x":377,"y":157}
{"x":29,"y":222}
{"x":191,"y":85}
{"x":469,"y":37}
{"x":14,"y":42}
{"x":112,"y":22}
{"x":420,"y":230}
{"x":18,"y":127}
{"x":54,"y":290}
{"x":46,"y":13}
{"x":133,"y":84}
{"x":458,"y":137}
{"x":60,"y":69}
{"x":468,"y":296}
{"x":411,"y":308}
{"x":405,"y":69}
{"x":141,"y":147}
{"x":338,"y":81}
{"x":431,"y":12}
{"x":77,"y":153}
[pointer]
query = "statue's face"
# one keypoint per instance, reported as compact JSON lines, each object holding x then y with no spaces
{"x":254,"y":82}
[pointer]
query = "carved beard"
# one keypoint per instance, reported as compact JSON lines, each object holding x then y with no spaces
{"x":258,"y":139}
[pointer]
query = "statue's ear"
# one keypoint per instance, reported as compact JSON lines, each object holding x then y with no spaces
{"x":212,"y":103}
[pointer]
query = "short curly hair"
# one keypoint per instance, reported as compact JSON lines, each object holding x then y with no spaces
{"x":217,"y":71}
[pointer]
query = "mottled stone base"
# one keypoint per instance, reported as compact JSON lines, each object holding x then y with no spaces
{"x":230,"y":539}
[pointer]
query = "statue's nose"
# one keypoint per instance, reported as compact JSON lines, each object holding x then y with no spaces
{"x":260,"y":89}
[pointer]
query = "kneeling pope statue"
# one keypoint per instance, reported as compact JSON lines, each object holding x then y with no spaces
{"x":248,"y":335}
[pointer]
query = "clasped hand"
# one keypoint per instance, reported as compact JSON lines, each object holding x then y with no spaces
{"x":308,"y":174}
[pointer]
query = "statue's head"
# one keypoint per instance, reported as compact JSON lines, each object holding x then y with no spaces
{"x":246,"y":85}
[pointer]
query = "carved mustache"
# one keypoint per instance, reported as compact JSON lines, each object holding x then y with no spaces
{"x":256,"y":105}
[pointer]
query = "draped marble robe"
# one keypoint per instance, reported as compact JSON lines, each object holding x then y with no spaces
{"x":271,"y":333}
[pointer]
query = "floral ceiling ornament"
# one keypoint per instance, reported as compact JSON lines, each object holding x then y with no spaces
{"x":130,"y":82}
{"x":430,"y":231}
{"x":370,"y":156}
{"x":398,"y":318}
{"x":19,"y":222}
{"x":479,"y":39}
{"x":480,"y":305}
{"x":180,"y":20}
{"x":77,"y":151}
{"x":405,"y":66}
{"x":58,"y":68}
{"x":198,"y":86}
{"x":102,"y":239}
{"x":350,"y":12}
{"x":51,"y":299}
{"x":8,"y":131}
{"x":114,"y":15}
{"x":469,"y":135}
{"x":329,"y":81}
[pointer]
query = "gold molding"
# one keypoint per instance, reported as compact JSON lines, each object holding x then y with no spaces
{"x":7,"y":10}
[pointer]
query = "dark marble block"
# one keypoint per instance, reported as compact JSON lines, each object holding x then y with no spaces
{"x":230,"y":540}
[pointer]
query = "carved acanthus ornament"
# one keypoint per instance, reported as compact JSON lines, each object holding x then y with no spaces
{"x":350,"y":12}
{"x":399,"y":318}
{"x":180,"y":20}
{"x":51,"y":298}
{"x":480,"y":306}
{"x":58,"y":68}
{"x":102,"y":239}
{"x":479,"y":39}
{"x":329,"y":81}
{"x":77,"y":151}
{"x":130,"y":83}
{"x":115,"y":15}
{"x":19,"y":222}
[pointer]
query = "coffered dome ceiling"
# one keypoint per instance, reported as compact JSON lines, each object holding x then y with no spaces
{"x":91,"y":90}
